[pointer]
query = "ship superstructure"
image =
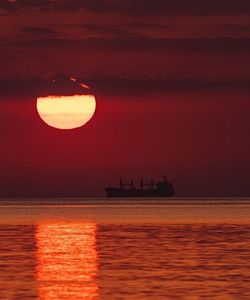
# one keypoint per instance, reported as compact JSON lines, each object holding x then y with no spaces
{"x":153,"y":188}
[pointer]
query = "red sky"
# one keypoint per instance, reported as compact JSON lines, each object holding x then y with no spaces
{"x":172,"y":85}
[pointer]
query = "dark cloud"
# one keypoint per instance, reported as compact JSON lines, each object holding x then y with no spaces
{"x":234,"y":27}
{"x":32,"y":87}
{"x":167,"y":7}
{"x":237,"y":28}
{"x":149,"y":25}
{"x":114,"y":30}
{"x":39,"y":30}
{"x":195,"y":45}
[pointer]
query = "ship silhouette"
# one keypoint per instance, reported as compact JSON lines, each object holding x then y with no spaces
{"x":162,"y":188}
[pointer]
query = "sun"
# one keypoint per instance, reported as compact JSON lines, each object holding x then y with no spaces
{"x":66,"y":112}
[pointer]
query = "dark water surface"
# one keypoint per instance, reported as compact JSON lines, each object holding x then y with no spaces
{"x":184,"y":251}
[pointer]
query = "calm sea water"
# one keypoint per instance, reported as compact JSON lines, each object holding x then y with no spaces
{"x":138,"y":250}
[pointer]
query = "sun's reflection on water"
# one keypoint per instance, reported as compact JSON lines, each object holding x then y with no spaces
{"x":66,"y":261}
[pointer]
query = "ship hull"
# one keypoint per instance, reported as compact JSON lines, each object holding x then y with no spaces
{"x":125,"y":193}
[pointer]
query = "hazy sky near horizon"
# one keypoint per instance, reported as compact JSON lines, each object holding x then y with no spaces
{"x":171,"y":80}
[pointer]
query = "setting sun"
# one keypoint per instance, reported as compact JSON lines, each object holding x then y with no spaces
{"x":66,"y":112}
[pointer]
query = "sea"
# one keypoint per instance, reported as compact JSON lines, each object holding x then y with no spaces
{"x":183,"y":248}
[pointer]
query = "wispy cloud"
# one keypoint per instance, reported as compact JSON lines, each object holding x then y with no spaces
{"x":168,"y":7}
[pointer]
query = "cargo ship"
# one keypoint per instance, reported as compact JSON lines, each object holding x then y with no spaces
{"x":162,"y":188}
